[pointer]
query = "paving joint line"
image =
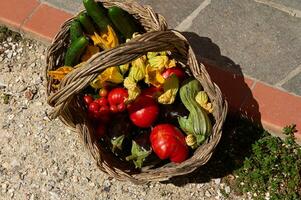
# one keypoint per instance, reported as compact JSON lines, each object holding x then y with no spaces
{"x":58,"y":8}
{"x":188,"y":21}
{"x":30,"y":15}
{"x":291,"y":11}
{"x":290,"y":75}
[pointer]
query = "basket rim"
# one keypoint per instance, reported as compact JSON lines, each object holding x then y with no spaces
{"x":180,"y":169}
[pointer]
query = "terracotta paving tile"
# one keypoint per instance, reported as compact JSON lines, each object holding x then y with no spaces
{"x":14,"y":12}
{"x":276,"y":108}
{"x":46,"y":21}
{"x":234,"y":87}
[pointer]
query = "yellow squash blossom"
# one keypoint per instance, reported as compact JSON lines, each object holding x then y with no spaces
{"x":153,"y":76}
{"x":137,"y":71}
{"x":154,"y":54}
{"x":106,"y":40}
{"x":132,"y":87}
{"x":110,"y":74}
{"x":90,"y":51}
{"x":171,"y":87}
{"x":124,"y":68}
{"x":203,"y":100}
{"x":60,"y":73}
{"x":161,"y":62}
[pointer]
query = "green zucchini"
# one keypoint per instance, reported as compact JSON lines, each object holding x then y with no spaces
{"x":98,"y":13}
{"x":197,"y":123}
{"x":123,"y":21}
{"x":87,"y":23}
{"x":76,"y":30}
{"x":75,"y":51}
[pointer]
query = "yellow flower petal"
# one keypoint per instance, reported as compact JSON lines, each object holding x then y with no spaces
{"x":171,"y":63}
{"x":159,"y":62}
{"x":60,"y":73}
{"x":124,"y":68}
{"x":106,"y":40}
{"x":132,"y":87}
{"x":171,"y":87}
{"x":137,"y":71}
{"x":201,"y":98}
{"x":153,"y":77}
{"x":110,"y":74}
{"x":90,"y":51}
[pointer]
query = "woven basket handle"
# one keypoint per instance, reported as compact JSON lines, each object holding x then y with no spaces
{"x":74,"y":82}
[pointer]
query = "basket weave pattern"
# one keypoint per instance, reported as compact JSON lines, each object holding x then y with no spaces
{"x":69,"y":107}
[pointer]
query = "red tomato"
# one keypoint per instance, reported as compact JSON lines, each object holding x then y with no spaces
{"x":94,"y":107}
{"x":117,"y":97}
{"x":114,"y":108}
{"x":178,"y":71}
{"x":143,"y":111}
{"x":88,"y":99}
{"x":168,"y":142}
{"x":152,"y":92}
{"x":121,"y":107}
{"x":102,"y":101}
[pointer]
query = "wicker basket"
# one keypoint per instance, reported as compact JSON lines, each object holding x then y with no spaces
{"x":68,"y":106}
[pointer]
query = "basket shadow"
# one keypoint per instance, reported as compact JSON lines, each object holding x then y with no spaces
{"x":239,"y":131}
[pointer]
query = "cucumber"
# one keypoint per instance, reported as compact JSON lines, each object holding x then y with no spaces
{"x":75,"y":51}
{"x":123,"y":21}
{"x":87,"y":23}
{"x":76,"y":30}
{"x":98,"y":13}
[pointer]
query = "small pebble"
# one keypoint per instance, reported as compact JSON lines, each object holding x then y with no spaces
{"x":227,"y":189}
{"x":207,"y":194}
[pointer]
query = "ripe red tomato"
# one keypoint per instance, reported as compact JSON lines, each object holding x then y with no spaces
{"x":94,"y":107}
{"x":152,"y":92}
{"x":168,"y":142}
{"x":117,"y":97}
{"x":114,"y":108}
{"x":178,"y":71}
{"x":102,"y":101}
{"x":88,"y":99}
{"x":143,"y":111}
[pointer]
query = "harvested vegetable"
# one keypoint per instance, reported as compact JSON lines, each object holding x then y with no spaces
{"x":168,"y":142}
{"x":117,"y":98}
{"x":198,"y":122}
{"x":75,"y":51}
{"x":143,"y":111}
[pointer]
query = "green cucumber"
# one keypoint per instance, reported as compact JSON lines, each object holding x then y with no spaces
{"x":76,"y":30}
{"x":98,"y":13}
{"x":87,"y":23}
{"x":75,"y":51}
{"x":123,"y":21}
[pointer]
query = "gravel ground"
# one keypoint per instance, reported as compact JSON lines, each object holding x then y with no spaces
{"x":41,"y":159}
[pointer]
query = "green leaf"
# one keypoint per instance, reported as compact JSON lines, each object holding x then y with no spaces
{"x":117,"y":143}
{"x":139,"y":155}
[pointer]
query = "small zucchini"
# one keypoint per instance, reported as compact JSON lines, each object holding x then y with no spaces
{"x":75,"y":51}
{"x":76,"y":30}
{"x":123,"y":21}
{"x":87,"y":23}
{"x":98,"y":13}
